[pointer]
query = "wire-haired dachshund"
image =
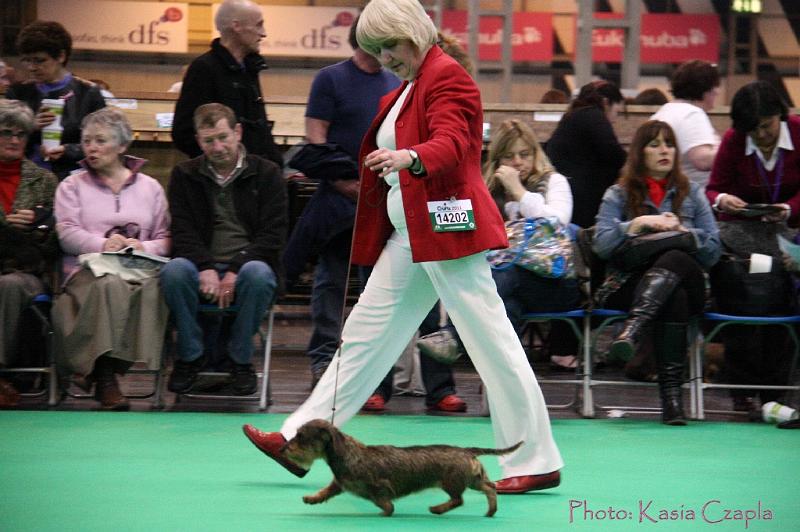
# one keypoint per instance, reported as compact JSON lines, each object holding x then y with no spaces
{"x":381,"y":473}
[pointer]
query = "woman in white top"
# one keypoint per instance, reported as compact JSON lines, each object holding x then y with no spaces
{"x":524,"y":184}
{"x":695,"y":86}
{"x":421,"y":160}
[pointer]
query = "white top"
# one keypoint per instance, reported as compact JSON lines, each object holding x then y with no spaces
{"x":692,"y":128}
{"x":557,"y":201}
{"x":784,"y":142}
{"x":385,"y":138}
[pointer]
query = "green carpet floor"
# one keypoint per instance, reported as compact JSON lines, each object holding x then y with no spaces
{"x":87,"y":471}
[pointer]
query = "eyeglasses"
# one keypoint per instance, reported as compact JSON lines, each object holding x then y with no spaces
{"x":7,"y":134}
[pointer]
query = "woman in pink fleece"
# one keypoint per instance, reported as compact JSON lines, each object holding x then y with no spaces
{"x":104,"y":323}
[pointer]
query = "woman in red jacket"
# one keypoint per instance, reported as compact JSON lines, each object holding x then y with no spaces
{"x":425,"y":220}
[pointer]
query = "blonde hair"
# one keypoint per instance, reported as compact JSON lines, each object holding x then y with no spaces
{"x":383,"y":21}
{"x":505,"y":136}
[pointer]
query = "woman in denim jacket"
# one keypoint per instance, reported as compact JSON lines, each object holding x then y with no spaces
{"x":654,"y":195}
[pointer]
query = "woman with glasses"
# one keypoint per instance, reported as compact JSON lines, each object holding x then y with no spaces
{"x":45,"y":48}
{"x":425,"y":220}
{"x":758,"y":163}
{"x":27,"y":243}
{"x":104,"y":323}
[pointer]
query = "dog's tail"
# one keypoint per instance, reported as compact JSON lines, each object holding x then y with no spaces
{"x":479,"y":450}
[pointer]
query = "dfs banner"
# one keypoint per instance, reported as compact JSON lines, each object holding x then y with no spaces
{"x":120,"y":26}
{"x":304,"y":31}
{"x":664,"y":39}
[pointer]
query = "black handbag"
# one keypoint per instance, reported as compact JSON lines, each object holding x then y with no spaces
{"x":642,"y":250}
{"x":739,"y":292}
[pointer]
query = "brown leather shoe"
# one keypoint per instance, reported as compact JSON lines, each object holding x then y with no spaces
{"x":528,"y":483}
{"x":110,"y":396}
{"x":271,"y":444}
{"x":9,"y":396}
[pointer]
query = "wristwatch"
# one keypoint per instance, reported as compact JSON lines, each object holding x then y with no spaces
{"x":416,"y":164}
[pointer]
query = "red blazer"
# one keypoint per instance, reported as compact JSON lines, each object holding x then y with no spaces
{"x":442,"y":119}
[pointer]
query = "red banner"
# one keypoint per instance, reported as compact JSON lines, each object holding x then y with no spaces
{"x":664,"y":39}
{"x":532,"y":35}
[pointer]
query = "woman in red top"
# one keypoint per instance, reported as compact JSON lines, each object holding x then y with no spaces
{"x":758,"y":162}
{"x":425,"y":219}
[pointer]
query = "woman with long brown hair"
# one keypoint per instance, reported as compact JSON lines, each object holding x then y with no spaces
{"x":654,"y":195}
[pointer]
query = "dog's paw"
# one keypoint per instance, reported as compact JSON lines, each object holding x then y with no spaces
{"x":313,"y":499}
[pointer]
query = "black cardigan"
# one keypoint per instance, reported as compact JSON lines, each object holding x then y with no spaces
{"x":259,"y":196}
{"x":217,"y":77}
{"x":585,"y":149}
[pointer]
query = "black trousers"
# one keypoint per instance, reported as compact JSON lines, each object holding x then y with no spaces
{"x":686,"y":301}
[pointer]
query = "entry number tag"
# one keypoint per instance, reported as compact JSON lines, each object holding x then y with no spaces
{"x":451,"y":215}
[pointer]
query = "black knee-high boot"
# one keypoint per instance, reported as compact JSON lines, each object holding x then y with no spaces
{"x":671,"y":345}
{"x":653,"y":291}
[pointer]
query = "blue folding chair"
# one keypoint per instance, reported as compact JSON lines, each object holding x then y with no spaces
{"x":40,"y":307}
{"x":722,"y":321}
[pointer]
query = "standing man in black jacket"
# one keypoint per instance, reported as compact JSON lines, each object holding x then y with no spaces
{"x":229,"y":218}
{"x":228,"y":74}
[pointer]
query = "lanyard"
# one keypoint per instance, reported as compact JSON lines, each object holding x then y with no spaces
{"x":774,"y":189}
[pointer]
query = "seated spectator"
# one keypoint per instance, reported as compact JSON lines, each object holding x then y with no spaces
{"x":554,"y":96}
{"x":45,"y":48}
{"x":651,"y":96}
{"x":653,"y":195}
{"x":27,"y":242}
{"x":104,"y":323}
{"x":229,"y":220}
{"x":758,"y":162}
{"x":695,"y":87}
{"x":524,"y":185}
{"x":585,"y":148}
{"x":6,"y":76}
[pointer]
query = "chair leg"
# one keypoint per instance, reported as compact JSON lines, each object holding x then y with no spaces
{"x":586,"y":346}
{"x":267,"y":341}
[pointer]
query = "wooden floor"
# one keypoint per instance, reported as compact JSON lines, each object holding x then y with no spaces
{"x":290,"y":379}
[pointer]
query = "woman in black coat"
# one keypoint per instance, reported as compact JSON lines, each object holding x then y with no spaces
{"x":585,"y":148}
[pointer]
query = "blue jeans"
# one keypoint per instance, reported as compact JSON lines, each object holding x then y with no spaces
{"x":255,"y":291}
{"x":327,"y":298}
{"x":523,"y":291}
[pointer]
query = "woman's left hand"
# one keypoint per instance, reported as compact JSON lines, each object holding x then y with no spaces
{"x":134,"y":243}
{"x":385,"y":161}
{"x":510,"y":179}
{"x":778,"y":216}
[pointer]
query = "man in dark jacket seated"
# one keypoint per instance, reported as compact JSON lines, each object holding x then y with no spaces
{"x":229,"y":221}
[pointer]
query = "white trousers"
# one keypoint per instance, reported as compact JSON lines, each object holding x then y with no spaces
{"x":397,"y":297}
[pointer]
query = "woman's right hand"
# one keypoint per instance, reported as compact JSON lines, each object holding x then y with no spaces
{"x":114,"y":243}
{"x":731,"y":204}
{"x":510,"y":179}
{"x":656,"y":223}
{"x":44,"y":118}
